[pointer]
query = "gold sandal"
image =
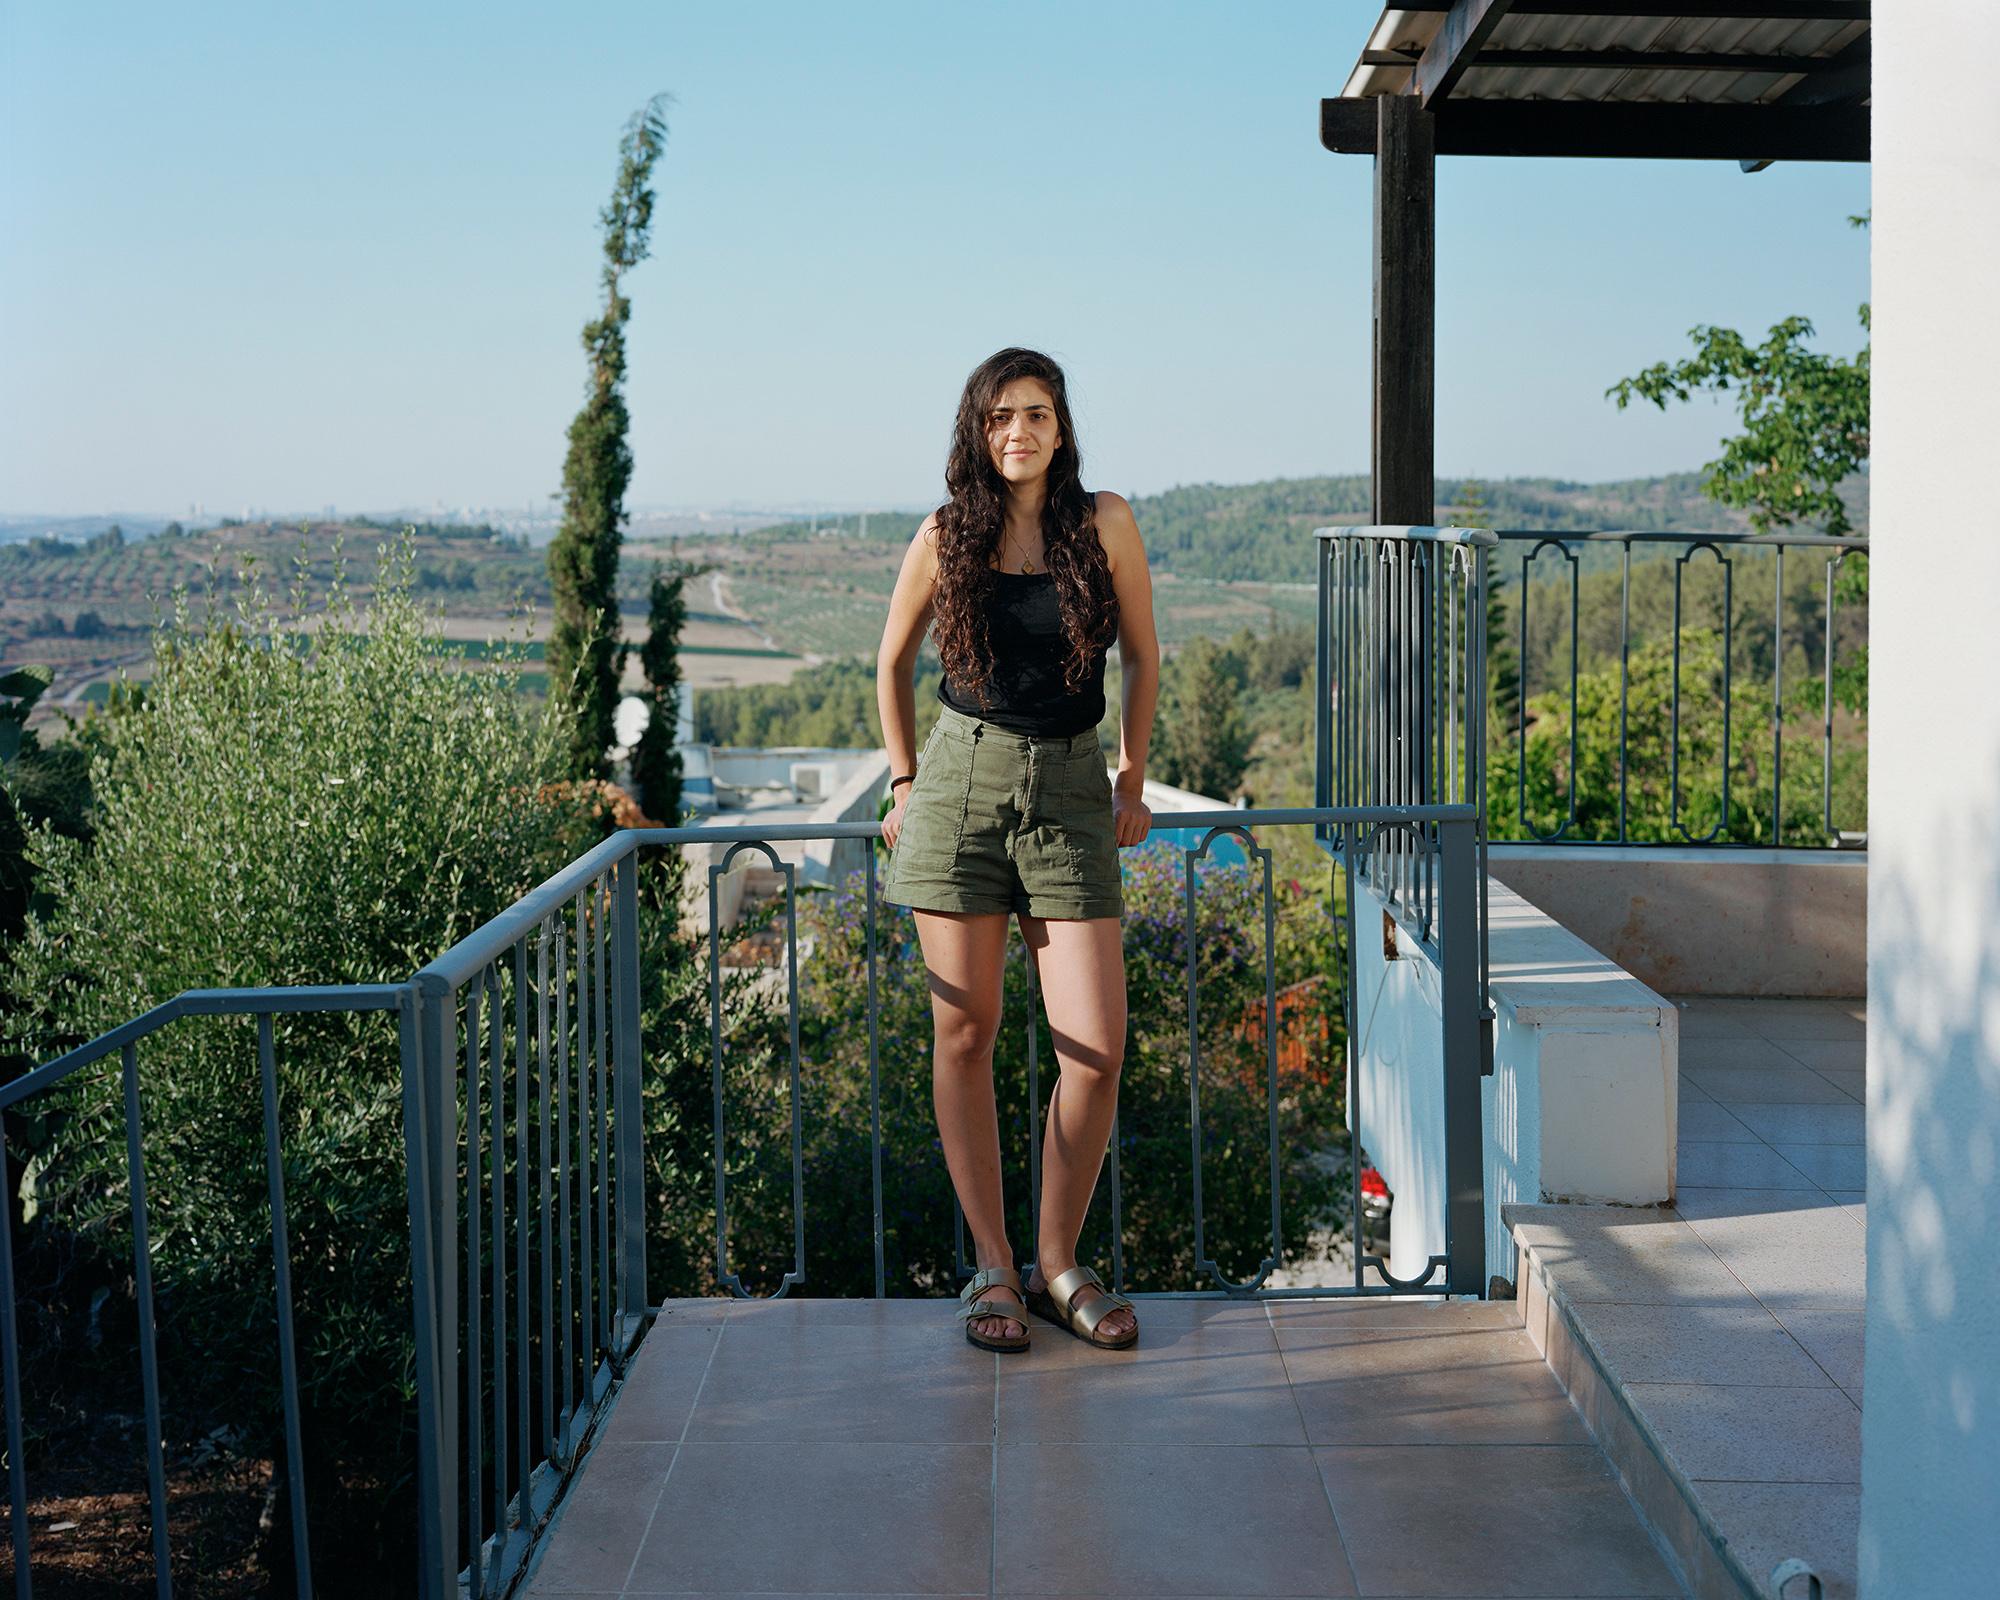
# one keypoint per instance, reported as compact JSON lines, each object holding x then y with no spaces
{"x":972,"y":1308}
{"x":1057,"y":1303}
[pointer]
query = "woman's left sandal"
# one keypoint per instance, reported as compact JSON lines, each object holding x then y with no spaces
{"x":972,"y":1309}
{"x":1062,"y":1303}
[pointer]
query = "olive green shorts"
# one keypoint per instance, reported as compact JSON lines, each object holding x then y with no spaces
{"x":998,"y":821}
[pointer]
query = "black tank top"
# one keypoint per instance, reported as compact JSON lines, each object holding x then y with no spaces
{"x":1025,"y":693}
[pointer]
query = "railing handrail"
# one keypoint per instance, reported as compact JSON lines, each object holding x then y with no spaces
{"x":471,"y":954}
{"x":469,"y":957}
{"x":206,"y":1003}
{"x":1422,"y":535}
{"x":1655,"y":536}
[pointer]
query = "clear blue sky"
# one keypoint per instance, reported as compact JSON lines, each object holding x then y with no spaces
{"x":286,"y":256}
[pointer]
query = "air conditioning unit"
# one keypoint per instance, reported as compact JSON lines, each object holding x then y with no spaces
{"x":815,"y":780}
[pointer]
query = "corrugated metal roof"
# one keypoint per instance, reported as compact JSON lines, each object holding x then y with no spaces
{"x":1406,"y":33}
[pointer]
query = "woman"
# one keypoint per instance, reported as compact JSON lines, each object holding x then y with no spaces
{"x":1025,"y":579}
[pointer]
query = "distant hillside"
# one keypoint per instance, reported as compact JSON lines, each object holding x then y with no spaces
{"x":1262,"y":531}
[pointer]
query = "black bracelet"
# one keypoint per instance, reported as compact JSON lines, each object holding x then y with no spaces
{"x":912,"y":778}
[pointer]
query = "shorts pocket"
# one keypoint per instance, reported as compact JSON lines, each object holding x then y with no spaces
{"x":1088,"y":830}
{"x":934,"y":818}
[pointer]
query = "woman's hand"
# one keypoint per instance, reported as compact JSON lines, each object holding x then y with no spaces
{"x":892,"y":824}
{"x":1131,"y":818}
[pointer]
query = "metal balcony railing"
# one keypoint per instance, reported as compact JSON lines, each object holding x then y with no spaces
{"x":1732,"y":825}
{"x":522,"y":1073}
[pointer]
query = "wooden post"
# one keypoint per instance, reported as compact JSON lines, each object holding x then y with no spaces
{"x":1405,"y":354}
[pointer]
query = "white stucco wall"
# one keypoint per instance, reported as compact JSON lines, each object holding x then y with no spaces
{"x":1930,"y":1467}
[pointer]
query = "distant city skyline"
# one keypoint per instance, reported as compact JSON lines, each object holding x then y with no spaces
{"x":264,"y":258}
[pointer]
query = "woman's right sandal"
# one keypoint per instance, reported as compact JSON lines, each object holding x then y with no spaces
{"x":972,"y":1309}
{"x":1058,"y":1303}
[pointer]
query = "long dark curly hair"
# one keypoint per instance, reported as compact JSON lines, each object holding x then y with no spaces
{"x":969,"y":527}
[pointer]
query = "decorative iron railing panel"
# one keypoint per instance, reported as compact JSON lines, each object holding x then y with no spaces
{"x":1734,"y":824}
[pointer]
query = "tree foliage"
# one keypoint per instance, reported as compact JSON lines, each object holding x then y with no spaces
{"x":1805,"y":420}
{"x":1200,"y":742}
{"x":656,"y":760}
{"x":287,"y":806}
{"x":1674,"y":760}
{"x":830,"y":706}
{"x":584,"y":655}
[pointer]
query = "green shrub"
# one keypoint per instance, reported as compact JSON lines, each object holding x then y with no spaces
{"x":293,"y":804}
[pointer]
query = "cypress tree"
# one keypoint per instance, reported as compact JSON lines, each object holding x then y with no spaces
{"x":656,"y":760}
{"x":585,"y":657}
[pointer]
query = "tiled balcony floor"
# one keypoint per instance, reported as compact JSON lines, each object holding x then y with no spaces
{"x":851,"y":1447}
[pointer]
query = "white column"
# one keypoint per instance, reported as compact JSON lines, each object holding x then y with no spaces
{"x":1930,"y":1470}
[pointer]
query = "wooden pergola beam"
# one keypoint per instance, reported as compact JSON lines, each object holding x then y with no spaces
{"x":1452,"y":49}
{"x":1680,"y":132}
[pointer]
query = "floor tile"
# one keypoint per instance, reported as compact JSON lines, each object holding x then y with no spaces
{"x":659,"y":1391}
{"x":1791,"y":1276}
{"x":1702,"y":1056}
{"x":1660,"y":1261}
{"x":1849,"y":1082}
{"x":1786,"y":1084}
{"x":814,"y":1518}
{"x":687,"y":1313}
{"x":829,"y":1312}
{"x":1827,"y":1055}
{"x":1798,"y":1436}
{"x":1771,"y":1522}
{"x":1853,"y":1201}
{"x":1223,"y":1385}
{"x":1749,"y":1207}
{"x":1834,"y":1339}
{"x":1716,"y":1019}
{"x":1173,"y":1311}
{"x":1295,"y":1320}
{"x":1832,"y":1166}
{"x":1736,"y":1166}
{"x":1804,"y":1124}
{"x":1430,"y":1387}
{"x":1729,"y":1218}
{"x":1702,"y":1344}
{"x":771,"y":1384}
{"x":1489,"y":1520}
{"x":1164,"y":1520}
{"x":1707,"y":1121}
{"x":1688,"y":1091}
{"x":1808,"y":1019}
{"x":597,"y":1536}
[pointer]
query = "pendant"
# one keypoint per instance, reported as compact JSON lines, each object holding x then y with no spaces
{"x":1027,"y":567}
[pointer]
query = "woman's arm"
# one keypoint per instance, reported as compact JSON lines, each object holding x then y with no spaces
{"x":1138,"y":662}
{"x":896,"y":665}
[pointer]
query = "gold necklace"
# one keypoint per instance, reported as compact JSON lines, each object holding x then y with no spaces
{"x":1027,"y":566}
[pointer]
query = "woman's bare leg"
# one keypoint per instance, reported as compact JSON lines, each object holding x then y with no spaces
{"x":1081,"y":967}
{"x":964,"y":957}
